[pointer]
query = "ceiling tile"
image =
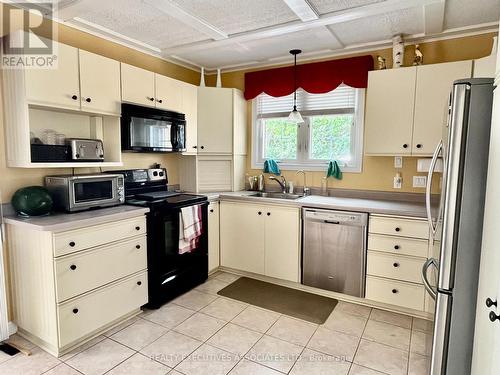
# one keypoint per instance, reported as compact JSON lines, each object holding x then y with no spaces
{"x":265,"y":49}
{"x":381,"y":27}
{"x":459,"y":13}
{"x":328,"y":6}
{"x":236,"y":16}
{"x":138,"y":20}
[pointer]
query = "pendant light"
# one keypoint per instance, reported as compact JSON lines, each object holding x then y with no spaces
{"x":295,"y":115}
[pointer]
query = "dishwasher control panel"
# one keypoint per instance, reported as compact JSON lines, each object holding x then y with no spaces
{"x":335,"y":217}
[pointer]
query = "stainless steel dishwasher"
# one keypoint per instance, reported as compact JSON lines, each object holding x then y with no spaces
{"x":334,"y":250}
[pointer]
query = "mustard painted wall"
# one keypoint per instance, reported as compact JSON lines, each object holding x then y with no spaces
{"x":378,"y":171}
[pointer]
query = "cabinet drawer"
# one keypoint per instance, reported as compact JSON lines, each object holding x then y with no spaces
{"x":398,"y":245}
{"x":394,"y":267}
{"x":80,"y":239}
{"x":399,"y":227}
{"x":87,"y":270}
{"x":86,"y":314}
{"x":395,"y":292}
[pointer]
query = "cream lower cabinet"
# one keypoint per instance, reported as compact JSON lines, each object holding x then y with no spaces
{"x":68,"y":287}
{"x":213,"y":236}
{"x":260,"y":239}
{"x":397,"y":250}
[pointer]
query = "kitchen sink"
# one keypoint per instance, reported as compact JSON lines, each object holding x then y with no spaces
{"x":276,"y":195}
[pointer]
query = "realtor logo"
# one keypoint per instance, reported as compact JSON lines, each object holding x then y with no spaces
{"x":22,"y":46}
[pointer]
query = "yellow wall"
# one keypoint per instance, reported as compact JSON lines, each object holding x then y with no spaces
{"x":13,"y":178}
{"x":378,"y":172}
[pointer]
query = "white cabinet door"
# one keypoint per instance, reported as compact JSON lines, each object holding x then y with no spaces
{"x":434,"y":83}
{"x":99,"y":83}
{"x":486,"y":357}
{"x":282,"y":244}
{"x":213,"y":236}
{"x":58,"y":87}
{"x":215,"y":120}
{"x":190,"y":109}
{"x":389,"y":111}
{"x":168,"y":93}
{"x":138,"y":85}
{"x":242,"y":236}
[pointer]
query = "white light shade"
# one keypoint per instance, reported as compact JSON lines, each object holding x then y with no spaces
{"x":295,"y":117}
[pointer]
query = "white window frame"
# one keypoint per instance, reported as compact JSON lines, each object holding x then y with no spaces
{"x":302,"y":162}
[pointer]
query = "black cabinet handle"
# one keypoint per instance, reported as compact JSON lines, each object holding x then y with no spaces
{"x":74,"y":97}
{"x":494,"y":316}
{"x":150,"y":99}
{"x":202,"y":147}
{"x":72,"y":267}
{"x":260,"y":213}
{"x":137,"y":246}
{"x":195,"y":146}
{"x":405,"y":145}
{"x":159,"y":100}
{"x":396,"y":247}
{"x":394,"y":291}
{"x":72,"y":244}
{"x":268,"y":214}
{"x":395,"y":264}
{"x":75,"y":311}
{"x":419,"y":145}
{"x":88,"y":100}
{"x":137,"y":228}
{"x":139,"y":283}
{"x":397,"y":229}
{"x":490,"y":302}
{"x":211,"y":210}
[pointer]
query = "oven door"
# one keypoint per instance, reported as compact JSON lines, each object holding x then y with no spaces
{"x":169,"y":272}
{"x":92,"y":192}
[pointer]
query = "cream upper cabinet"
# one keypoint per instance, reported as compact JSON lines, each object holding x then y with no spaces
{"x":99,"y":83}
{"x":138,"y":85}
{"x":213,"y":236}
{"x":190,"y":109}
{"x":242,"y":239}
{"x":168,"y":93}
{"x":251,"y":240}
{"x":389,"y":111}
{"x":282,"y":251}
{"x":215,"y":120}
{"x":434,"y":83}
{"x":58,"y":87}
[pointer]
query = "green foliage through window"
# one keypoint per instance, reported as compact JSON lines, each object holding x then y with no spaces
{"x":280,"y":138}
{"x":330,"y":137}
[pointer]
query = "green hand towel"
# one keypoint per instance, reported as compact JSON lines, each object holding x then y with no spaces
{"x":334,"y":170}
{"x":270,"y":166}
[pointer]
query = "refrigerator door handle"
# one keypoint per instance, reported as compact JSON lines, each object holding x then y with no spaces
{"x":427,"y":284}
{"x":432,"y":167}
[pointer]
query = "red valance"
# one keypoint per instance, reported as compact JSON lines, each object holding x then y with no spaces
{"x":315,"y":78}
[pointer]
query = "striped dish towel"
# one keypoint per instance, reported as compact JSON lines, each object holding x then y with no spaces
{"x":190,"y":228}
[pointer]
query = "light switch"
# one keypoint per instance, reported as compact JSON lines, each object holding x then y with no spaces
{"x":419,"y":181}
{"x":398,"y":162}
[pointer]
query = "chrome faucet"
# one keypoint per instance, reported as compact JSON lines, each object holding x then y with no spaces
{"x":282,"y":182}
{"x":307,"y":191}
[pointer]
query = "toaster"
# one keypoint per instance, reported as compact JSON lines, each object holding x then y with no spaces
{"x":82,"y":149}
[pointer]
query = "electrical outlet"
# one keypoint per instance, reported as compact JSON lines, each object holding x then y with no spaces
{"x":398,"y":181}
{"x":398,"y":162}
{"x":419,"y":181}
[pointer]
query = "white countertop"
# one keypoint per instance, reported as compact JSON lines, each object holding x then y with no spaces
{"x":373,"y":206}
{"x":59,"y":222}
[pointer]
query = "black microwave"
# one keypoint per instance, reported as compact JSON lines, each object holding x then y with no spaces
{"x":146,"y":129}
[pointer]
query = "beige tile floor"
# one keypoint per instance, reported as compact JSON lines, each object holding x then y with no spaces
{"x":201,"y":333}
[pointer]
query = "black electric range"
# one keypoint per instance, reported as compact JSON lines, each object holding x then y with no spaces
{"x":169,"y":273}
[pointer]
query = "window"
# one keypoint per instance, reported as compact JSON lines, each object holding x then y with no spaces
{"x":332,"y":129}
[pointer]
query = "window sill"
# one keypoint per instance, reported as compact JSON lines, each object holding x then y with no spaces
{"x":307,"y":167}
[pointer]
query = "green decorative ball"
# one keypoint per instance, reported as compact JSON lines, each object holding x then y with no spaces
{"x":32,"y":201}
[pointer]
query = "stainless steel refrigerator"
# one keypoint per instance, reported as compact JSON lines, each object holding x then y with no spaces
{"x":456,"y":227}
